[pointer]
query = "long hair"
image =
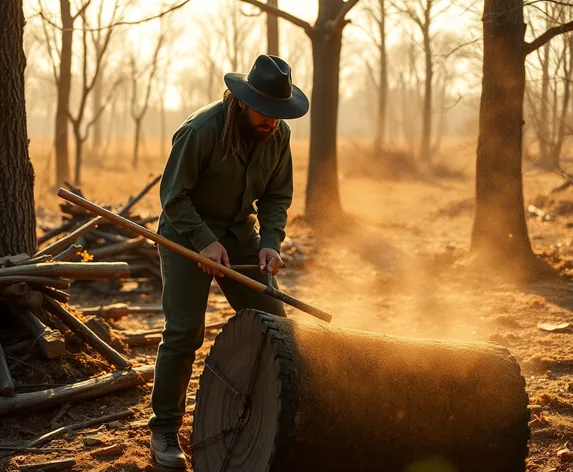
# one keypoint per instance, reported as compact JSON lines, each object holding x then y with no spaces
{"x":231,"y":137}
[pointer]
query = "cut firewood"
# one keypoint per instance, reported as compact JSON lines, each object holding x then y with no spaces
{"x":6,"y":385}
{"x":117,"y":248}
{"x":119,"y":310}
{"x":79,"y":426}
{"x":31,"y":300}
{"x":60,"y":464}
{"x":50,"y":342}
{"x":13,"y":290}
{"x":56,"y":294}
{"x":36,"y":280}
{"x":92,"y":388}
{"x":69,"y":253}
{"x":74,"y":270}
{"x":86,"y":334}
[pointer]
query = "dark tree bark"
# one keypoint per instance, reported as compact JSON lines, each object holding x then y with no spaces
{"x":322,"y":194}
{"x":425,"y":150}
{"x":500,"y":232}
{"x":273,"y":31}
{"x":64,"y":90}
{"x":17,"y":215}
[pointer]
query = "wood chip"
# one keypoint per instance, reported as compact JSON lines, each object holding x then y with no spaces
{"x":113,"y":450}
{"x":553,"y":327}
{"x":565,"y":455}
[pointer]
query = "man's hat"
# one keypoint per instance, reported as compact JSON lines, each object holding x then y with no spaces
{"x":268,"y":89}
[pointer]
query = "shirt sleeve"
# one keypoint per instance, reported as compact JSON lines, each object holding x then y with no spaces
{"x":276,"y":200}
{"x":179,"y":177}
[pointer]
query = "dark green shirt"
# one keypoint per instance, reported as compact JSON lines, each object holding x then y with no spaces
{"x":205,"y":194}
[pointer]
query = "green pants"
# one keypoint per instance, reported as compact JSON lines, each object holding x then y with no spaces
{"x":185,"y":296}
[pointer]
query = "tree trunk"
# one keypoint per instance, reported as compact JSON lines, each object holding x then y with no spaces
{"x":18,"y":219}
{"x":499,"y":232}
{"x":273,"y":31}
{"x":425,"y":149}
{"x":322,"y":195}
{"x":380,"y":137}
{"x":136,"y":142}
{"x":543,"y":129}
{"x":64,"y":90}
{"x":79,"y":149}
{"x":96,"y":105}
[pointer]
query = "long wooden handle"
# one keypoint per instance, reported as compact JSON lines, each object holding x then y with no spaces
{"x":159,"y":239}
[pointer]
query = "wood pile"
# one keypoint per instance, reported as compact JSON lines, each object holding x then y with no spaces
{"x":96,"y":239}
{"x":35,"y":315}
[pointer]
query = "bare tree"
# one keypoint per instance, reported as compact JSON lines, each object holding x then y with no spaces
{"x":500,"y":232}
{"x":273,"y":30}
{"x":92,"y":36}
{"x":322,"y":192}
{"x":376,"y":13}
{"x":18,"y":228}
{"x":143,"y":74}
{"x":61,"y":61}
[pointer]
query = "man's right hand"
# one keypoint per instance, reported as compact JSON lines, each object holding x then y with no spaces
{"x":216,"y":252}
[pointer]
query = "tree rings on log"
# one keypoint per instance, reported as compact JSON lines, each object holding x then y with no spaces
{"x":278,"y":395}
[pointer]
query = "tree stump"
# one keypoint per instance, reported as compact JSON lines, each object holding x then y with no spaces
{"x":280,"y":395}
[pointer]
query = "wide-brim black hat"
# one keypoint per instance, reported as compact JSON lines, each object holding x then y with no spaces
{"x":268,"y":89}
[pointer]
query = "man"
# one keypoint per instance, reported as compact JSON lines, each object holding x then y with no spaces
{"x":227,"y":157}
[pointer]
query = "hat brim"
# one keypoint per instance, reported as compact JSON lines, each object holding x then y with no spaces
{"x":295,"y":107}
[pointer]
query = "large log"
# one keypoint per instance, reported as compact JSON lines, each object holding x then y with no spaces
{"x":6,"y":385}
{"x":86,"y":334}
{"x":282,"y":395}
{"x":73,"y":270}
{"x":92,"y":388}
{"x":36,"y":280}
{"x":50,"y":342}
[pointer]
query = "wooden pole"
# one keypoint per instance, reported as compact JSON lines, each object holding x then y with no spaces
{"x":228,"y":272}
{"x":74,"y":270}
{"x":92,"y":388}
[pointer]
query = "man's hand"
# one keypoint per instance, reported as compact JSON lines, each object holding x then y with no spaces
{"x":216,"y":252}
{"x":272,"y":257}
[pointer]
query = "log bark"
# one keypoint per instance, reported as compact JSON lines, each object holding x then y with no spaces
{"x":35,"y":280}
{"x":79,"y":426}
{"x":6,"y":385}
{"x":50,"y":342}
{"x":62,"y":297}
{"x":92,"y":388}
{"x":86,"y":334}
{"x":74,"y":270}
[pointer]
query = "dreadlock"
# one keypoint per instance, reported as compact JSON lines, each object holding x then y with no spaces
{"x":231,"y":138}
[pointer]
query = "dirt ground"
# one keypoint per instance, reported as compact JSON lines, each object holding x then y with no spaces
{"x":399,"y":269}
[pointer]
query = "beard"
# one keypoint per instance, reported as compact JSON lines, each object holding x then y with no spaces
{"x":253,"y":133}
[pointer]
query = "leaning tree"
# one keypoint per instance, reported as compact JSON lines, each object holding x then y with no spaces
{"x":17,"y":215}
{"x":500,"y":232}
{"x":322,"y":195}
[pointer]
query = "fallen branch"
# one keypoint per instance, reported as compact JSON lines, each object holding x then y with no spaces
{"x":69,"y":253}
{"x":117,"y":248}
{"x":86,"y":334}
{"x":92,"y":388}
{"x":119,"y":310}
{"x":77,"y":426}
{"x":60,"y":464}
{"x":35,"y":280}
{"x":62,"y":297}
{"x":73,"y":270}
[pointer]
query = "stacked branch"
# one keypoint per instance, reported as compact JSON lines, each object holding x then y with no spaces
{"x":83,"y":236}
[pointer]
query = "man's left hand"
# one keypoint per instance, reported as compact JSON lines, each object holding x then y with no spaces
{"x":273,"y":258}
